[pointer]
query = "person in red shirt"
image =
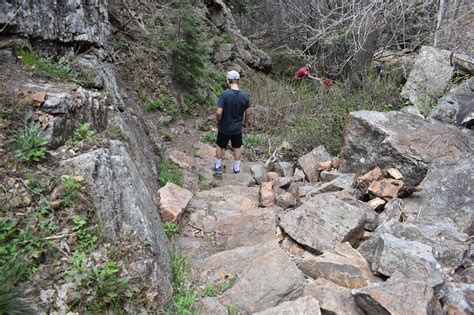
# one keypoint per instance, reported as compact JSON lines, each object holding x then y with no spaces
{"x":303,"y":72}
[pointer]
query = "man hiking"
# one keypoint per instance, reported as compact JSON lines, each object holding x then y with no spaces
{"x":303,"y":72}
{"x":233,"y":103}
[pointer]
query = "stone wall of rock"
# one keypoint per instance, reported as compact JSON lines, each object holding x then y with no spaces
{"x":123,"y":178}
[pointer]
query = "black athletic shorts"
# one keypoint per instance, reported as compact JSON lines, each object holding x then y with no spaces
{"x":223,"y":140}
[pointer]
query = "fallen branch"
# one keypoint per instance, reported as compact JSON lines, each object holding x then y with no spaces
{"x":55,"y":237}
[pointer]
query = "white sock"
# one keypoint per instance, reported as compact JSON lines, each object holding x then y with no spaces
{"x":237,"y":165}
{"x":218,"y":163}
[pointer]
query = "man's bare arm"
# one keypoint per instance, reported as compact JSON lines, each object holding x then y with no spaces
{"x":314,"y":78}
{"x":219,"y":115}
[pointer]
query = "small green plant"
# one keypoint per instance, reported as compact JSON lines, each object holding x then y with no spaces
{"x":11,"y":274}
{"x":167,"y":137}
{"x":113,"y":131}
{"x":170,"y":229}
{"x":61,"y":70}
{"x":220,"y":288}
{"x":184,"y":296}
{"x":209,"y":137}
{"x":170,"y":172}
{"x":86,"y":235}
{"x":227,"y":39}
{"x":83,"y":132}
{"x":209,"y":290}
{"x":165,"y":104}
{"x":72,"y":185}
{"x":30,"y":145}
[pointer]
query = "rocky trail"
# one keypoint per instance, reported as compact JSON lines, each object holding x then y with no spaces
{"x":299,"y":238}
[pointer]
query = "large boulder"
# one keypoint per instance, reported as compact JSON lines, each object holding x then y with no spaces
{"x":242,"y":48}
{"x":398,"y":295}
{"x":125,"y":206}
{"x":446,"y":196}
{"x":250,"y":227}
{"x":429,"y":77}
{"x":456,"y":105}
{"x":173,"y":200}
{"x":413,"y":259}
{"x":323,"y":221}
{"x":265,"y":282}
{"x":333,"y":299}
{"x":449,"y":245}
{"x":403,"y":141}
{"x":344,"y":266}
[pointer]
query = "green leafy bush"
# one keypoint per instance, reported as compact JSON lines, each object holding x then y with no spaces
{"x":11,"y":274}
{"x":30,"y":145}
{"x":170,"y":172}
{"x":183,"y":295}
{"x":209,"y":137}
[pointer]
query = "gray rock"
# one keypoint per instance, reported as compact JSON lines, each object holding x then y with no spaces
{"x":344,"y":181}
{"x":457,"y":298}
{"x":124,"y":205}
{"x":224,"y":53}
{"x":283,"y":182}
{"x":232,"y":262}
{"x":412,"y":110}
{"x":413,"y":259}
{"x":258,"y":287}
{"x":285,"y":200}
{"x":284,"y":169}
{"x":449,"y":246}
{"x":259,"y":173}
{"x":244,"y":50}
{"x":396,"y":296}
{"x":68,"y":110}
{"x":299,"y":175}
{"x":446,"y":195}
{"x":249,"y":228}
{"x":304,"y":305}
{"x":210,"y":305}
{"x":402,"y":141}
{"x":310,"y":162}
{"x":344,"y":266}
{"x":66,"y":22}
{"x":429,"y":77}
{"x":392,"y":211}
{"x":333,"y":299}
{"x":456,"y":105}
{"x":323,"y":221}
{"x":224,"y":201}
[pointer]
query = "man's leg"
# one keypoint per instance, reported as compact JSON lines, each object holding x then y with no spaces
{"x":221,"y":143}
{"x":236,"y":141}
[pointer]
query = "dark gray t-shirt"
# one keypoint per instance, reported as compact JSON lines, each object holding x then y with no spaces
{"x":234,"y":103}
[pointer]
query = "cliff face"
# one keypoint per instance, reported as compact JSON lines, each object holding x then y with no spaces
{"x":123,"y":180}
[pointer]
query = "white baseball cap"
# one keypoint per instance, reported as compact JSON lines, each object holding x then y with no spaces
{"x":233,"y":75}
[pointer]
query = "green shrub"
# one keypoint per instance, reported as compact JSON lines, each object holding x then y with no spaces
{"x":62,"y":70}
{"x":220,"y":288}
{"x":170,"y":172}
{"x":165,"y":104}
{"x":227,"y":39}
{"x":30,"y":145}
{"x":113,"y":131}
{"x":86,"y":235}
